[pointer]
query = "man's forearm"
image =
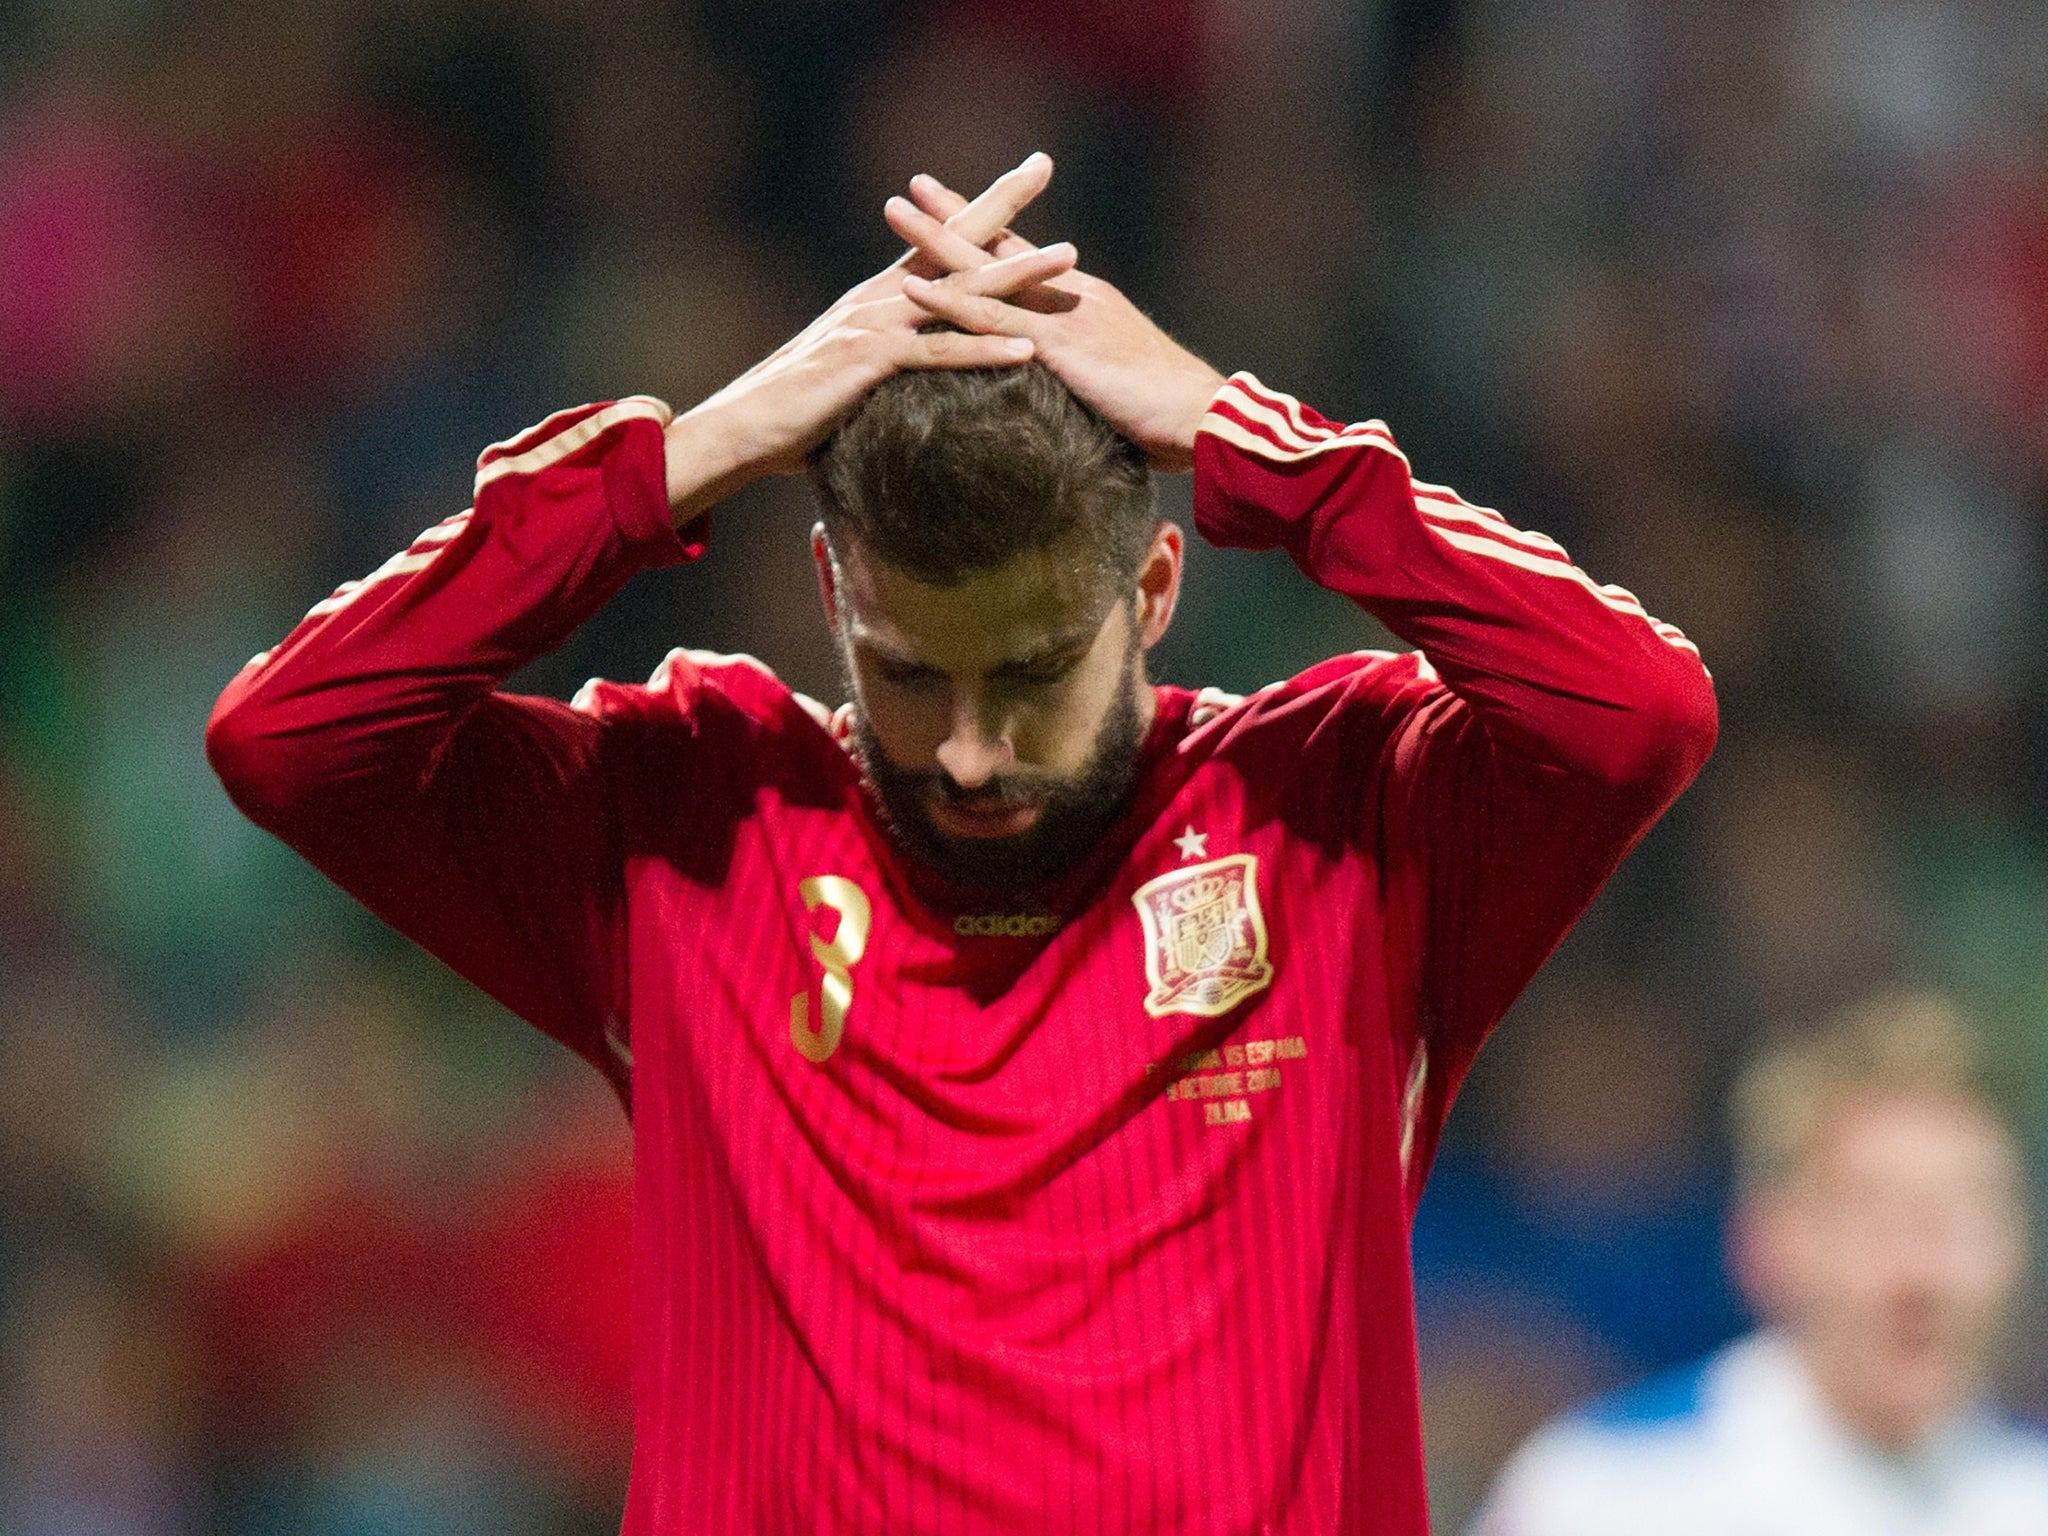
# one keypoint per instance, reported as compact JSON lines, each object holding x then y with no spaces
{"x":371,"y":681}
{"x":1564,"y":671}
{"x":702,"y":465}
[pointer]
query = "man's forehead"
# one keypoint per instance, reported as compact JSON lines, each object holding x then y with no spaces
{"x":1042,"y":599}
{"x":1920,"y":1134}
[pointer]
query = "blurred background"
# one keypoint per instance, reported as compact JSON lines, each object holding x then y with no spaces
{"x":1746,"y":303}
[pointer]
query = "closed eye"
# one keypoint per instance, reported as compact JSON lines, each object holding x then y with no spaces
{"x":1041,"y":670}
{"x":905,"y":674}
{"x":1040,"y":673}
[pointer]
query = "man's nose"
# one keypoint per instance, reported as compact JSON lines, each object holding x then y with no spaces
{"x":977,"y":748}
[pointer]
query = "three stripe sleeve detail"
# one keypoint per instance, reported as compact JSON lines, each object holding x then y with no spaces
{"x":527,"y":453}
{"x":1275,"y":427}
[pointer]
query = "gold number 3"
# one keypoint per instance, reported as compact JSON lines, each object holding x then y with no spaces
{"x":838,"y":957}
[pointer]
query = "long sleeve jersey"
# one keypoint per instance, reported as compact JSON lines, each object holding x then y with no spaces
{"x":1086,"y":1216}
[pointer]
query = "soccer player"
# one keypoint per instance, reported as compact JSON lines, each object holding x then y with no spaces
{"x":1879,"y":1235}
{"x":1032,"y":1069}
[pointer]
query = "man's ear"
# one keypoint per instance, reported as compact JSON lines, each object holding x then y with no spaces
{"x":1159,"y":582}
{"x":828,"y":577}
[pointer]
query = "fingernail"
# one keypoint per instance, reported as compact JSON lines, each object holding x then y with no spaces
{"x":913,"y":282}
{"x":1017,"y":346}
{"x":1061,"y":249}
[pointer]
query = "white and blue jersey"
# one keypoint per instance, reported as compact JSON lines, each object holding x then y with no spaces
{"x":1743,"y":1445}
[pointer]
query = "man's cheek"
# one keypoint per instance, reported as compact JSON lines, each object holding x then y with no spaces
{"x":1060,"y":734}
{"x":908,"y":734}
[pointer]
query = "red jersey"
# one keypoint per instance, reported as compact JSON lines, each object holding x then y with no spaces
{"x":1089,"y":1215}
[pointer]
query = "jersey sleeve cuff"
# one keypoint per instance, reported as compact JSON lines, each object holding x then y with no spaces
{"x":636,"y":491}
{"x":612,"y":453}
{"x":1264,"y":461}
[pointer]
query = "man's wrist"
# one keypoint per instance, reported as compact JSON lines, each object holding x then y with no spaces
{"x":700,"y":466}
{"x":1197,"y":394}
{"x":1202,"y":392}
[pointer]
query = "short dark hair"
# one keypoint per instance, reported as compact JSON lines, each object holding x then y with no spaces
{"x":943,"y":473}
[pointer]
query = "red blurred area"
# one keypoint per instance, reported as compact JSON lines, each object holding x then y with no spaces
{"x":515,"y":1282}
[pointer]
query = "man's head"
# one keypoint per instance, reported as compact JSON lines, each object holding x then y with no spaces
{"x":1882,"y":1223}
{"x":993,"y":569}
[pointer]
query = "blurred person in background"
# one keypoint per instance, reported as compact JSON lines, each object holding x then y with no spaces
{"x":1880,"y":1235}
{"x":1033,"y":1071}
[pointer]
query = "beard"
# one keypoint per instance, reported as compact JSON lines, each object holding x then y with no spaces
{"x":1074,"y":810}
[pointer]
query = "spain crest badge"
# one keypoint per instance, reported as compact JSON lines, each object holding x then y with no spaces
{"x":1205,"y":937}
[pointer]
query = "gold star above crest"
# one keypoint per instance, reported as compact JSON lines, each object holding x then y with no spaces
{"x":1192,"y":844}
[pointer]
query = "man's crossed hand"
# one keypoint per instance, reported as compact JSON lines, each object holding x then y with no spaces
{"x":768,"y":419}
{"x":1008,"y":299}
{"x":1103,"y":347}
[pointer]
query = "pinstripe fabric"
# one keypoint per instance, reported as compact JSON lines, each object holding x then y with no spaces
{"x":1049,"y":1239}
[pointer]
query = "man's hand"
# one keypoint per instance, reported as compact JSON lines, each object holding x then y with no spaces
{"x":768,"y":419}
{"x":1144,"y":383}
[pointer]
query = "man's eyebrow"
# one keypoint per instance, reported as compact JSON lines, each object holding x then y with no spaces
{"x":863,"y":640}
{"x":1056,"y":649}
